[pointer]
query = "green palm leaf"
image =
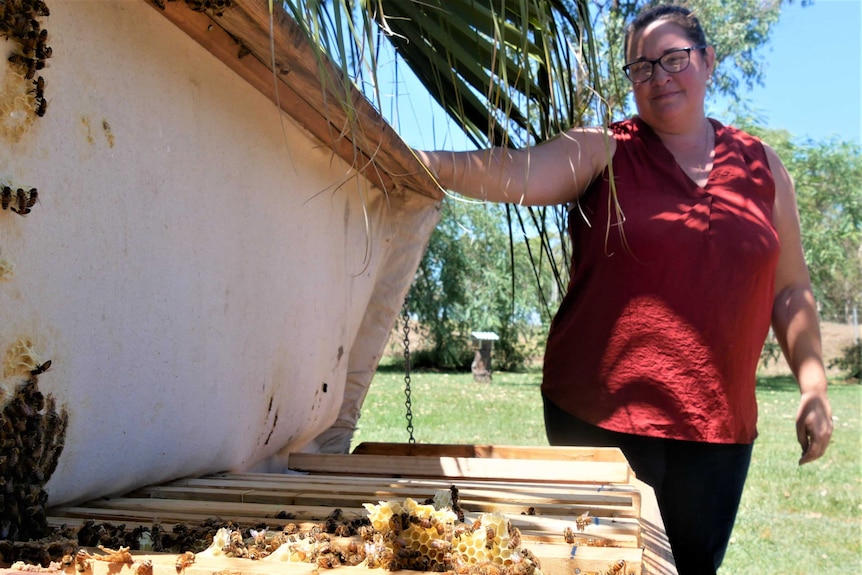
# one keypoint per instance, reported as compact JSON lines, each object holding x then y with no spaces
{"x":509,"y":72}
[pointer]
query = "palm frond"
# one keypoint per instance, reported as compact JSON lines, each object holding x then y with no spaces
{"x":508,"y":72}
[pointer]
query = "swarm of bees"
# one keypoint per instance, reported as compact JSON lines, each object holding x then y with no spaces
{"x":216,"y":6}
{"x":32,"y":434}
{"x":19,"y":23}
{"x":46,"y":552}
{"x":19,"y":201}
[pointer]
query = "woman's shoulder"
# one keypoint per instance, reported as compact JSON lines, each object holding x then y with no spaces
{"x":749,"y":145}
{"x":733,"y":132}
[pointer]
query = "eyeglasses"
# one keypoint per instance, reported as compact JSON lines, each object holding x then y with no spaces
{"x":672,"y":62}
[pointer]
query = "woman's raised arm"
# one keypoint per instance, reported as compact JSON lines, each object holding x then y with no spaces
{"x":554,"y":172}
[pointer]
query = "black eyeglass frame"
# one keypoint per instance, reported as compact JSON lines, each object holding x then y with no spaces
{"x":658,"y":61}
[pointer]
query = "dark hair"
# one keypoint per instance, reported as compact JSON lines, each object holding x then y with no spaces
{"x":679,"y":15}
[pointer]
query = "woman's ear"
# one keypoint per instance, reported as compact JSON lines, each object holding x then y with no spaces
{"x":709,"y":58}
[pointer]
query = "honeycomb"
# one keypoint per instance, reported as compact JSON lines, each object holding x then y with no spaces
{"x":398,"y":535}
{"x":20,"y":359}
{"x":7,"y":270}
{"x":17,"y":106}
{"x":424,"y":538}
{"x":415,"y":536}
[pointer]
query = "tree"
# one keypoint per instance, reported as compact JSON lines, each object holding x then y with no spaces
{"x":827,"y":177}
{"x":468,"y":281}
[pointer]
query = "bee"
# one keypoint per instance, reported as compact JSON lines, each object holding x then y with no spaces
{"x":618,"y":567}
{"x":583,"y":520}
{"x":32,"y":196}
{"x":355,"y":554}
{"x":425,"y":522}
{"x":184,"y":561}
{"x":490,"y":535}
{"x":38,"y":88}
{"x":41,"y":368}
{"x":6,"y":197}
{"x":320,"y":536}
{"x":82,"y":561}
{"x":27,"y":65}
{"x":41,"y":48}
{"x":569,"y":535}
{"x":22,"y":209}
{"x":144,"y":568}
{"x":514,"y":537}
{"x":41,"y":107}
{"x":395,"y":523}
{"x":440,"y":545}
{"x":28,"y":42}
{"x":236,"y":537}
{"x":277,"y":541}
{"x":40,"y":9}
{"x":43,"y":52}
{"x":259,"y":537}
{"x":460,"y":529}
{"x":366,"y":532}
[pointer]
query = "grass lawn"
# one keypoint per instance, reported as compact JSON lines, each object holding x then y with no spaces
{"x":792,"y":520}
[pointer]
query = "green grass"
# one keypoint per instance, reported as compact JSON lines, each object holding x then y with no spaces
{"x":792,"y":520}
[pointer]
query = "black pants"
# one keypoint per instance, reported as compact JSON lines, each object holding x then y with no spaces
{"x":698,"y":485}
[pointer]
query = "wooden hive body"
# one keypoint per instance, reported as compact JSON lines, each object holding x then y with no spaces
{"x":541,"y":490}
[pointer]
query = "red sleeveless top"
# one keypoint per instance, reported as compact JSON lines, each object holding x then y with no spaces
{"x":661,"y":329}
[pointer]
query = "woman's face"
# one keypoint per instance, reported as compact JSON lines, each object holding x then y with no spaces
{"x":670,"y":102}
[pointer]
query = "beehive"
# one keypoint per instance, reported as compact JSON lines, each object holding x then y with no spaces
{"x":574,"y":510}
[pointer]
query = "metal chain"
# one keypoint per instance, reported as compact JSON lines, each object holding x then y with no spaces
{"x":407,"y":403}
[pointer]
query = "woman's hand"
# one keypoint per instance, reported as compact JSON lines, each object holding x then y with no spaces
{"x":813,"y":425}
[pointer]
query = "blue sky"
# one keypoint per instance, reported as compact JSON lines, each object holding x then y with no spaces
{"x":812,"y":84}
{"x":813,"y":80}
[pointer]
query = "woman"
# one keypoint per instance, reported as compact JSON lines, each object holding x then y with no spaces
{"x":656,"y":344}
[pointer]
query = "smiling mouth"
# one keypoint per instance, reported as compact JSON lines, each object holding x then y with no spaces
{"x":665,"y":95}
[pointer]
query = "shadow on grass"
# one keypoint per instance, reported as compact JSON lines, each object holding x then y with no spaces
{"x":777,"y":383}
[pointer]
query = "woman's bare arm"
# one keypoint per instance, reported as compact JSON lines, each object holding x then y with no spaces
{"x":554,"y":172}
{"x":795,"y":321}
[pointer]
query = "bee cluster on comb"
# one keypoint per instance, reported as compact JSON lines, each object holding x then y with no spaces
{"x":423,"y":537}
{"x":397,"y":535}
{"x":32,"y":434}
{"x":19,"y":22}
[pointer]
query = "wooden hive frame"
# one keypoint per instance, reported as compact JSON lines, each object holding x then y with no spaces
{"x":542,"y":490}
